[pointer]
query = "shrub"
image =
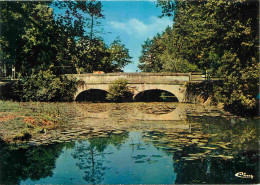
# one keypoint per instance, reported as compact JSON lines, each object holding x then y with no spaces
{"x":240,"y":91}
{"x":45,"y":86}
{"x":118,"y":91}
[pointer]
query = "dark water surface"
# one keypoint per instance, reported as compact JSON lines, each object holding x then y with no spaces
{"x":195,"y":149}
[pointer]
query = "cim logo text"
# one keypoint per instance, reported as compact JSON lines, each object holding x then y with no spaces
{"x":244,"y":175}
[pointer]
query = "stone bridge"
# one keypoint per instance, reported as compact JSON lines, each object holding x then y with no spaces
{"x":137,"y":82}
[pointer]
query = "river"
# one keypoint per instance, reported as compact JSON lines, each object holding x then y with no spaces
{"x":138,"y":143}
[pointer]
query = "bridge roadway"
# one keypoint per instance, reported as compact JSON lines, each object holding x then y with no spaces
{"x":137,"y":82}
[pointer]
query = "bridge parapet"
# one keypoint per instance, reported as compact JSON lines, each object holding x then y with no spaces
{"x":135,"y":78}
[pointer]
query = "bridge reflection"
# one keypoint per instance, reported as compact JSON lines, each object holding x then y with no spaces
{"x":155,"y":95}
{"x":134,"y":111}
{"x":135,"y":115}
{"x":92,"y":95}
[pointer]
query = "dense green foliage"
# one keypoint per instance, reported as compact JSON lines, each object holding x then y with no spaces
{"x":94,"y":55}
{"x":43,"y":44}
{"x":35,"y":37}
{"x":218,"y":36}
{"x":45,"y":86}
{"x":118,"y":91}
{"x":160,"y":54}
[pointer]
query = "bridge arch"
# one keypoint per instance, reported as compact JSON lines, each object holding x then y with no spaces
{"x":94,"y":95}
{"x":155,"y":95}
{"x":90,"y":87}
{"x":175,"y":89}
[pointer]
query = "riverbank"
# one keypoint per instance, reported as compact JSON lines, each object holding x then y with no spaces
{"x":207,"y":93}
{"x":21,"y":121}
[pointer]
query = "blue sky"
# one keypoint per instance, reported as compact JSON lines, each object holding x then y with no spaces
{"x":133,"y":22}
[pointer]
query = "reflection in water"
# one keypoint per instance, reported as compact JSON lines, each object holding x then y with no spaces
{"x":215,"y":170}
{"x":93,"y":95}
{"x":161,"y":153}
{"x":135,"y":111}
{"x":34,"y":163}
{"x":124,"y":158}
{"x":155,"y":95}
{"x":90,"y":156}
{"x":219,"y":150}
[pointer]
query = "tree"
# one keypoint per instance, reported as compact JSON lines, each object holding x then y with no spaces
{"x":160,"y":54}
{"x":34,"y":38}
{"x":119,"y":55}
{"x":95,"y":55}
{"x":80,"y":16}
{"x":91,"y":54}
{"x":13,"y":42}
{"x":94,"y":9}
{"x":221,"y":37}
{"x":149,"y":61}
{"x":31,"y":38}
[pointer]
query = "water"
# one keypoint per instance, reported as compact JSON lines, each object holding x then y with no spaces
{"x":194,"y":147}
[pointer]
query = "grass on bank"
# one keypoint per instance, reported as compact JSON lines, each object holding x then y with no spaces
{"x":23,"y":120}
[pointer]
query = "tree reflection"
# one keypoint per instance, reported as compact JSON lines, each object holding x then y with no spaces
{"x":215,"y":170}
{"x":210,"y":169}
{"x":91,"y":161}
{"x":221,"y":148}
{"x":242,"y":134}
{"x":91,"y":156}
{"x":34,"y":163}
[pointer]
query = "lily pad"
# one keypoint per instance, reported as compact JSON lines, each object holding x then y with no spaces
{"x":223,"y":146}
{"x":140,"y":148}
{"x":139,"y":161}
{"x":189,"y":158}
{"x":209,"y":148}
{"x":228,"y":157}
{"x":139,"y":156}
{"x":156,"y":156}
{"x":195,"y":140}
{"x":201,"y":144}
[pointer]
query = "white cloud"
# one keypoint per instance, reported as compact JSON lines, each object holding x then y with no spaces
{"x":118,"y":25}
{"x":135,"y":27}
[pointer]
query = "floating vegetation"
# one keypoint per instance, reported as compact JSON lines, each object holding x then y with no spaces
{"x":139,"y":161}
{"x":140,"y":148}
{"x":225,"y":147}
{"x":209,"y":148}
{"x":189,"y":158}
{"x":139,"y":156}
{"x":156,"y":156}
{"x":222,"y":156}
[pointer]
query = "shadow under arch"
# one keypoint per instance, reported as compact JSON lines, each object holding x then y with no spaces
{"x":93,"y":95}
{"x":155,"y":95}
